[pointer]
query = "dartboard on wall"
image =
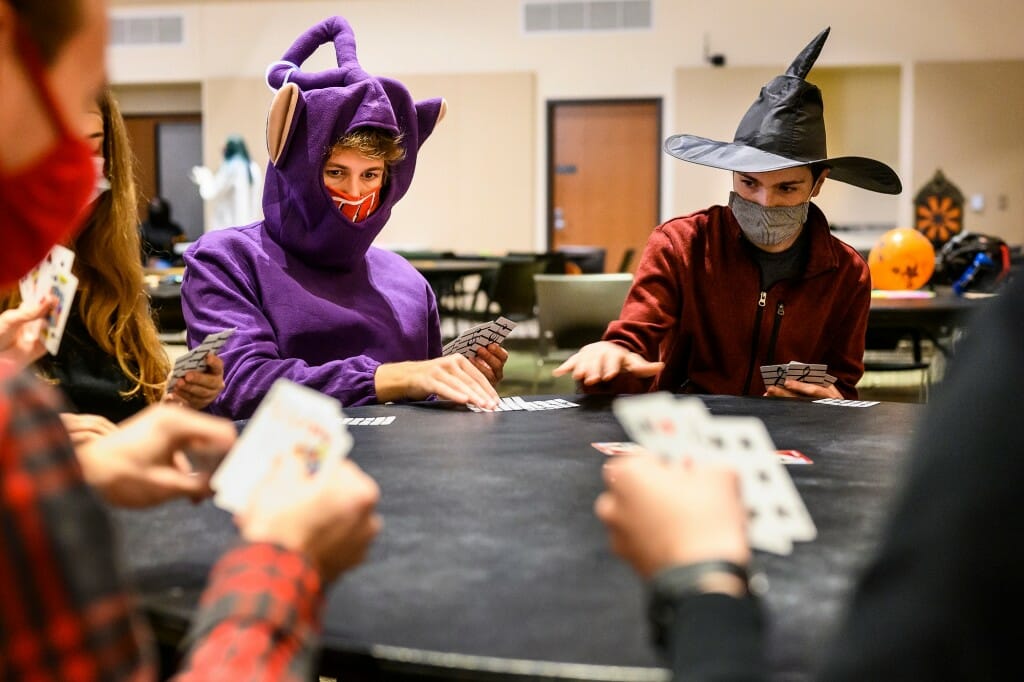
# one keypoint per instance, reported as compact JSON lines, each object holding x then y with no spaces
{"x":939,"y":210}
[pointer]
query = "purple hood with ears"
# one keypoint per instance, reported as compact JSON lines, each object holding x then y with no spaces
{"x":299,"y":213}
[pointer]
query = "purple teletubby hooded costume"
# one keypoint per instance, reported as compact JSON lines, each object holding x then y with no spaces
{"x":311,"y":299}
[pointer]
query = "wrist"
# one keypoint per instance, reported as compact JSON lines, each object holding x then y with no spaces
{"x":671,"y":586}
{"x":389,"y":381}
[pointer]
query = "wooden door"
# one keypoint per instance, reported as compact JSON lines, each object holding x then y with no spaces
{"x":604,"y":175}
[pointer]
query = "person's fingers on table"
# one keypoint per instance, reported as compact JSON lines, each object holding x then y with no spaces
{"x":468,"y":372}
{"x":452,"y":378}
{"x":471,"y":380}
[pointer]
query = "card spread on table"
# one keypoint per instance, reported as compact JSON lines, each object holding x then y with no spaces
{"x":292,"y":421}
{"x":480,"y":336}
{"x":52,"y":276}
{"x":195,"y":359}
{"x":847,"y":403}
{"x":683,"y":428}
{"x":776,"y":375}
{"x":515,"y":403}
{"x":368,"y":421}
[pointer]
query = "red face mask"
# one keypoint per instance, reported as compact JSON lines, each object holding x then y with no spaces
{"x":356,"y":208}
{"x":42,"y":204}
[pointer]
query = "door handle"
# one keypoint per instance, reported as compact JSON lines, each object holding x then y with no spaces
{"x":559,"y":219}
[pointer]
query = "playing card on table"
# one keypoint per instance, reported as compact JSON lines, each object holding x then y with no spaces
{"x":195,"y":359}
{"x":292,"y":421}
{"x":484,"y":334}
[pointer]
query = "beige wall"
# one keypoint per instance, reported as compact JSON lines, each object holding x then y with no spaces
{"x":967,"y":122}
{"x":463,"y":39}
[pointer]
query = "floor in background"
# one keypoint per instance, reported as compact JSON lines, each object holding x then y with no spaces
{"x":522,"y":362}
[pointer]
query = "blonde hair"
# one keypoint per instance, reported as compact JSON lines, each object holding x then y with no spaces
{"x":111,"y":291}
{"x":372,"y":143}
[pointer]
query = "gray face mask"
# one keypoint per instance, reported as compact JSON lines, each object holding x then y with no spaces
{"x":768,"y":225}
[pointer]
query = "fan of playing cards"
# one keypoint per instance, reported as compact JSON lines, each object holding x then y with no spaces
{"x":52,"y":276}
{"x":292,"y":421}
{"x":480,"y":336}
{"x":776,"y":375}
{"x":195,"y":359}
{"x":683,"y":428}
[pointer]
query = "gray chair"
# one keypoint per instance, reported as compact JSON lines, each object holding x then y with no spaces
{"x":574,"y":310}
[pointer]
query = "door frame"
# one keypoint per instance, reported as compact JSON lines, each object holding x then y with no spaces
{"x":552,"y":106}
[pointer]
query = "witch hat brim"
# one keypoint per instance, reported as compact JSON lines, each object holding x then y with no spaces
{"x":854,"y":170}
{"x":785,"y":128}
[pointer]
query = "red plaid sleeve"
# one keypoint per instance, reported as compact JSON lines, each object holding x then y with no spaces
{"x":257,"y":618}
{"x":64,"y":613}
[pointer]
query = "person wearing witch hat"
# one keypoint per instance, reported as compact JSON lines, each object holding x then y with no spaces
{"x":311,"y":298}
{"x":721,"y":292}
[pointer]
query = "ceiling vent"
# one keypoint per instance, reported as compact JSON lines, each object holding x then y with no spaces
{"x":586,"y":15}
{"x":147,"y":30}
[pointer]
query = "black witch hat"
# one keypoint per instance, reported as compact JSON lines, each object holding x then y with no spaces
{"x":785,"y":128}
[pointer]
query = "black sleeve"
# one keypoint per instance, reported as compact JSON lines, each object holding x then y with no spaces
{"x":716,"y":637}
{"x":929,"y":606}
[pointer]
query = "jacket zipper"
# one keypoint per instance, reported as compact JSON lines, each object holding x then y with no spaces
{"x":753,"y":341}
{"x":779,"y":312}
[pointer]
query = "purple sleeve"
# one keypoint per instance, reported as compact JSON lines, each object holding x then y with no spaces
{"x":217,"y":293}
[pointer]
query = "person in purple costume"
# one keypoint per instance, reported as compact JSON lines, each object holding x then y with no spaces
{"x":312,"y":300}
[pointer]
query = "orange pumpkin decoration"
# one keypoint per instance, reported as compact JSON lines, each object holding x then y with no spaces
{"x":902,"y":258}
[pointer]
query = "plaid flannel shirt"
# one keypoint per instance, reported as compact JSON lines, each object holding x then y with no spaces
{"x":65,"y":613}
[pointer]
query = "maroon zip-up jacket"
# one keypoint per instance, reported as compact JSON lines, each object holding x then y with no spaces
{"x":696,"y":303}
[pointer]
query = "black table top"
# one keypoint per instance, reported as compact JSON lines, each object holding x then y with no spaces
{"x":491,"y":562}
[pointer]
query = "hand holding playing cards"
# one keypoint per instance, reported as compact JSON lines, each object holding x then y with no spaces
{"x":603,"y":361}
{"x":450,"y":377}
{"x":800,"y":389}
{"x":329,"y":517}
{"x":142,"y":463}
{"x":21,"y":332}
{"x":197,"y":388}
{"x":663,"y":514}
{"x":490,"y":360}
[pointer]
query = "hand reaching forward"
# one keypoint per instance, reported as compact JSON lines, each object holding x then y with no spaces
{"x":603,"y":361}
{"x":141,"y":463}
